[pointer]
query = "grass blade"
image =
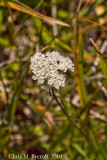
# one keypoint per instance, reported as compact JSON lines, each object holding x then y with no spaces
{"x":83,"y":92}
{"x":34,"y":13}
{"x":104,"y":68}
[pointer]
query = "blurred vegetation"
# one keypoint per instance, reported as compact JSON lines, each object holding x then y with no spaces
{"x":31,"y":122}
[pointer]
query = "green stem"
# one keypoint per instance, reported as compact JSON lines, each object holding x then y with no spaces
{"x":71,"y":120}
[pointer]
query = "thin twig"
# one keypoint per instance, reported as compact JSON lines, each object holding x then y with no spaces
{"x":77,"y":12}
{"x":45,"y":110}
{"x":105,"y":28}
{"x":27,"y":16}
{"x":44,"y":48}
{"x":71,"y":120}
{"x":3,"y":64}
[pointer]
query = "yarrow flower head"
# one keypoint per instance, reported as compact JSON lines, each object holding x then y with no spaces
{"x":48,"y":66}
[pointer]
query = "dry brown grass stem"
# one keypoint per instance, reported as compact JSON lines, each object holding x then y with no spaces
{"x":76,"y":54}
{"x":98,"y":50}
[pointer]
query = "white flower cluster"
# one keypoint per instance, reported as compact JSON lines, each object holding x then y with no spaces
{"x":47,"y":67}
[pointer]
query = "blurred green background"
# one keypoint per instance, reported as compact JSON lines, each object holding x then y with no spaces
{"x":31,"y":122}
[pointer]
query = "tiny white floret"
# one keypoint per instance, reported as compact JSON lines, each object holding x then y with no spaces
{"x":47,"y":67}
